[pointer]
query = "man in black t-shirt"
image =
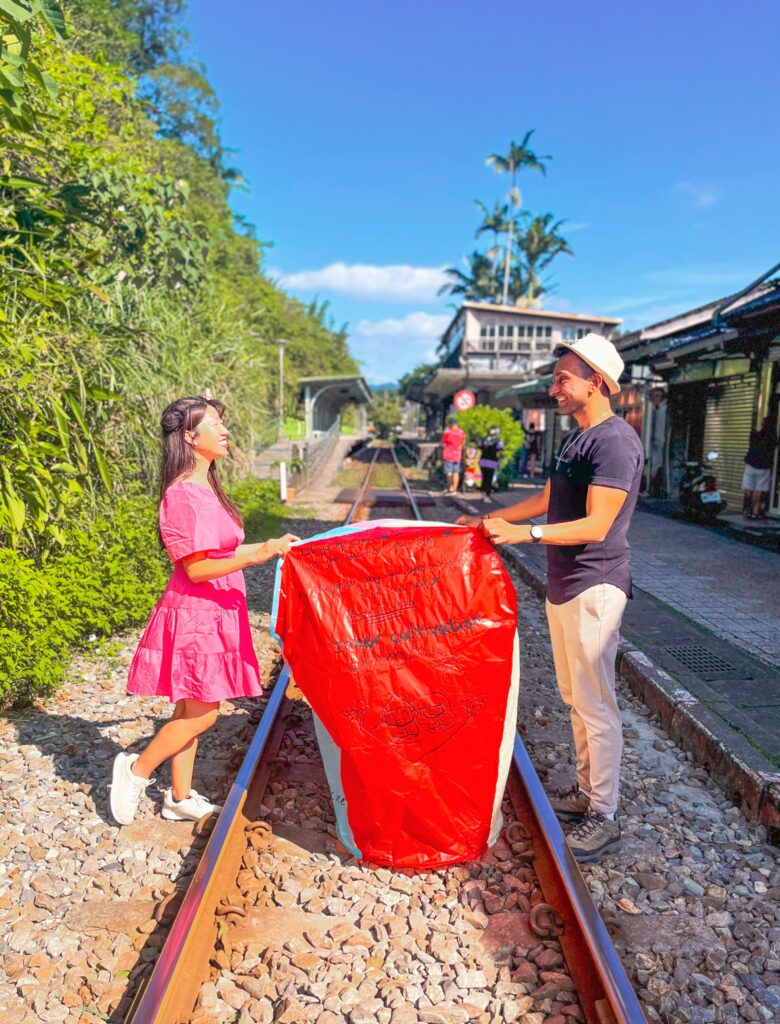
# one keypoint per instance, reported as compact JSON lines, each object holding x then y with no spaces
{"x":589,"y":498}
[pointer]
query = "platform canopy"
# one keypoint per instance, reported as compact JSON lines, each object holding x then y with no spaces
{"x":325,"y":397}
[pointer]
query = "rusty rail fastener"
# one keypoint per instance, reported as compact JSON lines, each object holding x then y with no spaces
{"x":200,"y":828}
{"x":545,"y":921}
{"x":231,"y":912}
{"x":159,"y":911}
{"x":523,"y":835}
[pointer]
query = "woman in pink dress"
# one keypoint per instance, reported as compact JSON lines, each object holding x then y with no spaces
{"x":197,"y":647}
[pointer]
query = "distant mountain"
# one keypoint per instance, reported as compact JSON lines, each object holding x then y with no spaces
{"x":390,"y":386}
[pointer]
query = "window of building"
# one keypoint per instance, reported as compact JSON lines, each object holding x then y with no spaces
{"x":488,"y":346}
{"x":501,"y":330}
{"x":492,"y":331}
{"x":510,"y":330}
{"x":568,"y":334}
{"x":506,"y":346}
{"x":548,"y":332}
{"x":483,"y":331}
{"x":521,"y":330}
{"x":539,"y":331}
{"x":581,"y":332}
{"x":523,"y":346}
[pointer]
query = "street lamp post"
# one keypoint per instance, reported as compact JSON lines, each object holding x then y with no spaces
{"x":281,"y":342}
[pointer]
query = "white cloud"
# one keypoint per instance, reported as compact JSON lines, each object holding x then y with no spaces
{"x":701,"y":196}
{"x":418,"y":325}
{"x":575,"y":225}
{"x":389,"y":348}
{"x":393,"y":283}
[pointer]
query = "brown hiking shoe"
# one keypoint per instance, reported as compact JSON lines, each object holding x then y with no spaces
{"x":594,"y":835}
{"x":570,"y":804}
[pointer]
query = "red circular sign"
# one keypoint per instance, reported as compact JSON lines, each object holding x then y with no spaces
{"x":464,"y":400}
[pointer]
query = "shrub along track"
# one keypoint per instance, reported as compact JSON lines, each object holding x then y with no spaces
{"x":281,"y":924}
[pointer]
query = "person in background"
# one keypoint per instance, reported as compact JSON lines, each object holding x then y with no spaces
{"x":452,"y":441}
{"x":757,"y":476}
{"x":532,"y":448}
{"x":197,"y":647}
{"x":472,"y":477}
{"x":489,"y":457}
{"x":589,"y":499}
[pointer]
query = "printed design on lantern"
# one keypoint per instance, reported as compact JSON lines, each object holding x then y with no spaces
{"x":356,"y":715}
{"x":416,"y":728}
{"x":472,"y":706}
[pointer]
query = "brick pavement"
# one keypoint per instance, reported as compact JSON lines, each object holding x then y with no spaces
{"x":726,"y":586}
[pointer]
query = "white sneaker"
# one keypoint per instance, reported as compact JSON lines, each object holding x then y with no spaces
{"x":191,"y":808}
{"x":126,"y":788}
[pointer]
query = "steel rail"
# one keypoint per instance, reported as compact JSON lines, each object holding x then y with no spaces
{"x":362,"y":489}
{"x":407,"y":488}
{"x":590,"y":944}
{"x":152,"y":1003}
{"x":602,"y":986}
{"x":151,"y":1006}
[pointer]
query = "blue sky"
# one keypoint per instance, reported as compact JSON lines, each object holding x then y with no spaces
{"x":362,"y":130}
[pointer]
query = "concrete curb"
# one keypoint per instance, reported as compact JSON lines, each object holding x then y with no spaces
{"x":747,"y":778}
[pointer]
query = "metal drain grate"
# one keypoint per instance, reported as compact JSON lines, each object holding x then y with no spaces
{"x":699,"y":660}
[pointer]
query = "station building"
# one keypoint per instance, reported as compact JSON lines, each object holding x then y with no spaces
{"x":489,"y":348}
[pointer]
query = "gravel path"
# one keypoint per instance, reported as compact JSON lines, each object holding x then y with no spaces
{"x":327,"y":939}
{"x":692,"y":896}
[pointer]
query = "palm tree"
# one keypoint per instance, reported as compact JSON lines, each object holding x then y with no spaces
{"x":539,"y":244}
{"x":497,"y":222}
{"x":518,"y":158}
{"x":478,"y":283}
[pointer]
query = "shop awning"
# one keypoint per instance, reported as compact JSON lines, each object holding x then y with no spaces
{"x":539,"y":385}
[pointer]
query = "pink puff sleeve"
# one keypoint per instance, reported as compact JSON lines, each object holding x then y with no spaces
{"x":189,"y":521}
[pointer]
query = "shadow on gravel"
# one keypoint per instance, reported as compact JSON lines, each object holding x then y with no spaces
{"x":81,"y":754}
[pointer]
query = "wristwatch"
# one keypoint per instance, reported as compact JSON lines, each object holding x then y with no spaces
{"x":536,"y":534}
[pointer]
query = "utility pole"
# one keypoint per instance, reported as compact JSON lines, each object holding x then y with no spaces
{"x":281,"y":342}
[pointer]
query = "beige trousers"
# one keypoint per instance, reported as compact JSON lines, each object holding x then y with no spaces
{"x":585,"y":633}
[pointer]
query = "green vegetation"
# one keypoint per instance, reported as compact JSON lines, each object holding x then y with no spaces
{"x":477,"y":421}
{"x":385,"y":413}
{"x":125,"y":281}
{"x":511,"y":273}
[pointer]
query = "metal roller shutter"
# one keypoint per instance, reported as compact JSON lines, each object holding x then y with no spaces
{"x":727,"y":426}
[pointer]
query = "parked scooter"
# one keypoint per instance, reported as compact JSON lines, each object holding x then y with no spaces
{"x":698,"y":491}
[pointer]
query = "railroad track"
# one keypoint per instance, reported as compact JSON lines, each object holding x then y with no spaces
{"x":277,"y":908}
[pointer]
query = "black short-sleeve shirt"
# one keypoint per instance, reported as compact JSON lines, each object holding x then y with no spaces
{"x":607,"y":455}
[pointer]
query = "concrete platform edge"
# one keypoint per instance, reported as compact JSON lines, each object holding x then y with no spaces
{"x":746,"y":777}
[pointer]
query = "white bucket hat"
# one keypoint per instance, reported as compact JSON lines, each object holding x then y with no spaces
{"x":601,"y":355}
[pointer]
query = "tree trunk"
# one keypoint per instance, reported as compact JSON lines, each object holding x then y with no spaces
{"x":509,"y":235}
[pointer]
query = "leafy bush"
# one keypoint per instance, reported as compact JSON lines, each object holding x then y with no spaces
{"x":477,"y":421}
{"x":109,"y":577}
{"x":260,"y":507}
